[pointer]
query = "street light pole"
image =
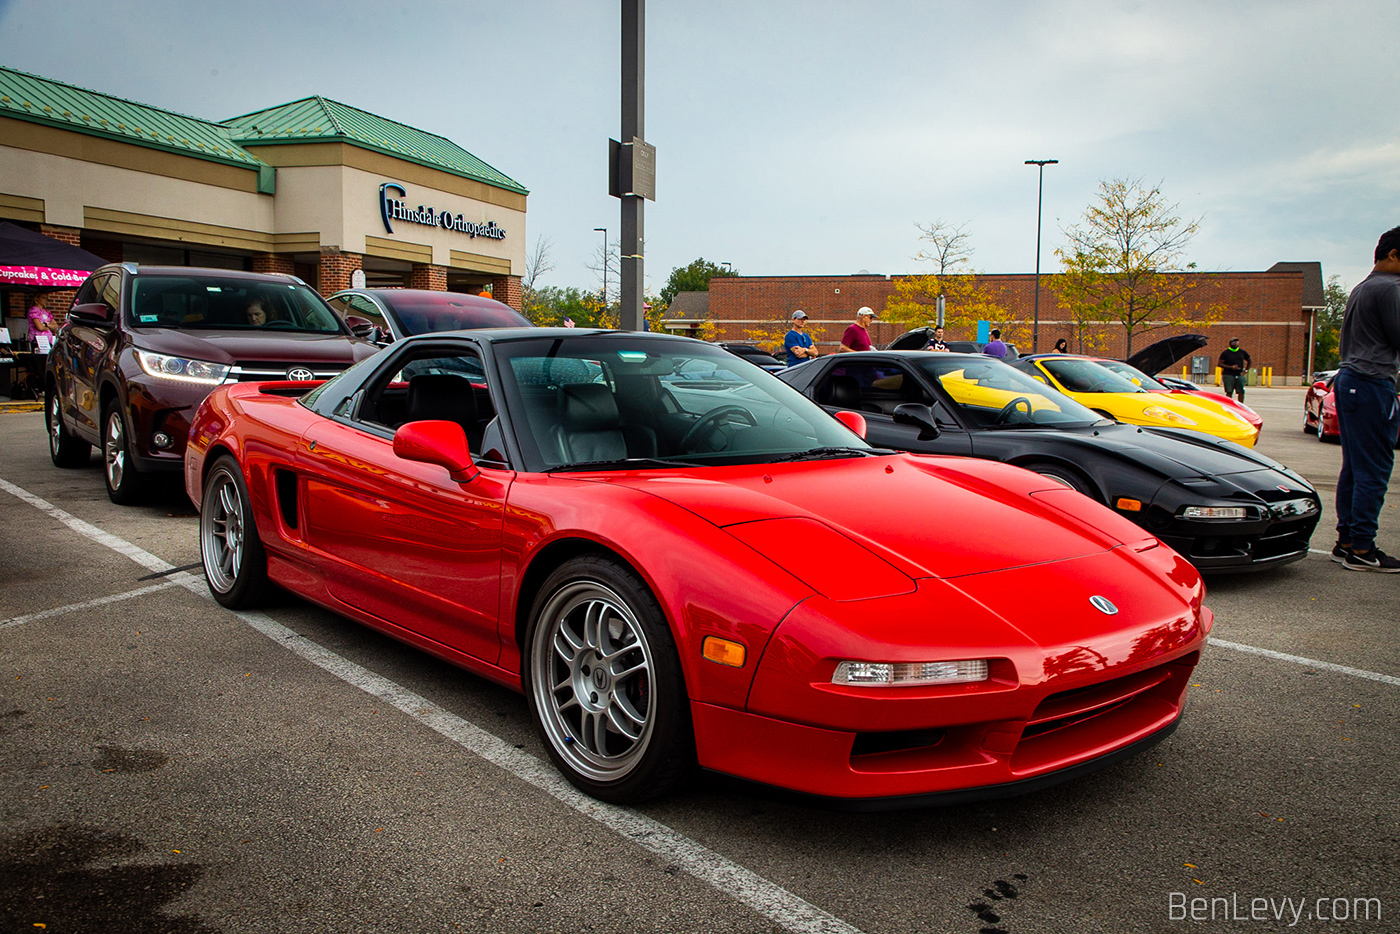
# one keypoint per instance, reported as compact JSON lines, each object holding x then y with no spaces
{"x":604,"y":232}
{"x":1039,"y":198}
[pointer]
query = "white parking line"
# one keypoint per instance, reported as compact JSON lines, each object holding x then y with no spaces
{"x":1309,"y":662}
{"x":86,"y":605}
{"x":768,"y":899}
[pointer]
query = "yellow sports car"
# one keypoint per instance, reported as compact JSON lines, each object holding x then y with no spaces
{"x":1104,"y":391}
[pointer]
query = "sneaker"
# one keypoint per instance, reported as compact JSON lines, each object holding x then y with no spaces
{"x":1373,"y":560}
{"x":1340,"y":552}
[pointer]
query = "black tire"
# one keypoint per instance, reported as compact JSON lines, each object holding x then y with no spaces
{"x":1067,"y":476}
{"x":64,"y":449}
{"x":125,"y":484}
{"x":580,"y":708}
{"x":235,"y":562}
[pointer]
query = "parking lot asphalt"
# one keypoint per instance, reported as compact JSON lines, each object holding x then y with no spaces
{"x":167,"y":765}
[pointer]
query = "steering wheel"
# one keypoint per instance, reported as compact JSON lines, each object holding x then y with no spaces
{"x":1004,"y":416}
{"x":712,"y":420}
{"x":278,"y":323}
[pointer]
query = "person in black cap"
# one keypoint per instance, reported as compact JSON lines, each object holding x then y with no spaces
{"x":1234,"y":361}
{"x":1368,"y":412}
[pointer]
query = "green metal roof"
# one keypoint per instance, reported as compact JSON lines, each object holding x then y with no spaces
{"x":318,"y":119}
{"x":42,"y":100}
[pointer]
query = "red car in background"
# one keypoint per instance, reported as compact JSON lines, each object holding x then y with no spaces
{"x":1320,"y":412}
{"x":682,"y":573}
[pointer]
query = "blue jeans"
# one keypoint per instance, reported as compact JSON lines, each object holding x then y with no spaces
{"x":1369,"y":417}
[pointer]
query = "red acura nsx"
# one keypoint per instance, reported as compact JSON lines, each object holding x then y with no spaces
{"x":682,"y":572}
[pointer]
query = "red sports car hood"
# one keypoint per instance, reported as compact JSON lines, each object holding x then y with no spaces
{"x":868,"y":526}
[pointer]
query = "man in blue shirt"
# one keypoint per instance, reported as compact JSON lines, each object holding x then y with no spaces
{"x":798,"y":343}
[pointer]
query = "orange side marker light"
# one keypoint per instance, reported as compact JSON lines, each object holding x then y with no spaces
{"x":1129,"y":505}
{"x":723,"y":651}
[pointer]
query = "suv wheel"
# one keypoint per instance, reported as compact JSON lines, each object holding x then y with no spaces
{"x":119,"y":469}
{"x":64,"y":449}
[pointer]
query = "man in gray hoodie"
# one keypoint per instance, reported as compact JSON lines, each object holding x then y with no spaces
{"x":1368,"y":412}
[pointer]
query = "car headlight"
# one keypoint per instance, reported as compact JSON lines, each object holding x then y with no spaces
{"x":881,"y":674}
{"x":1295,"y":507}
{"x":1166,"y":415}
{"x":182,"y":369}
{"x":1215,"y":512}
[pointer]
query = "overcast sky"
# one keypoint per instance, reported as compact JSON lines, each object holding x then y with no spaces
{"x":808,"y":138}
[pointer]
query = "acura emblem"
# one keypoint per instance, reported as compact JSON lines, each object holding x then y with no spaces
{"x":1103,"y":605}
{"x":300,"y":374}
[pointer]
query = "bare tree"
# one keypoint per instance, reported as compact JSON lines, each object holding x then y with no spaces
{"x":607,"y":266}
{"x":948,"y":246}
{"x":537,"y":263}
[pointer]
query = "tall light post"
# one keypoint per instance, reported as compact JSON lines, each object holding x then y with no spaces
{"x":604,"y":232}
{"x":1039,"y":198}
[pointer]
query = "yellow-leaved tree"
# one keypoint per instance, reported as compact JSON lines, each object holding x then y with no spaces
{"x":1123,"y":264}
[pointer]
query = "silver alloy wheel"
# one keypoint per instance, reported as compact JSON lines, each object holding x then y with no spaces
{"x":55,"y":425}
{"x":591,"y":673}
{"x":114,"y":450}
{"x":221,"y":532}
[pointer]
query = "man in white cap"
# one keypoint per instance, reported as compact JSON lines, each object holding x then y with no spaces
{"x":798,"y":342}
{"x":857,"y":337}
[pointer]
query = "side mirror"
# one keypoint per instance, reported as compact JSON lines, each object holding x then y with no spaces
{"x":93,"y":312}
{"x":1320,"y":386}
{"x":920,"y":416}
{"x":360,"y":327}
{"x":852,"y":420}
{"x":437,"y":442}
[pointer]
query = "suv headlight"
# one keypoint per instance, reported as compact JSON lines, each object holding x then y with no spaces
{"x":179,"y":368}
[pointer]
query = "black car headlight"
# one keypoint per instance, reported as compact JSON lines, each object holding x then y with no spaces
{"x":1215,"y":512}
{"x":1295,"y":507}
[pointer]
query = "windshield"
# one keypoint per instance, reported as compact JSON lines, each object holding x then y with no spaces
{"x":1132,"y":373}
{"x":1076,"y":374}
{"x":993,"y":395}
{"x":621,"y":401}
{"x":449,"y":311}
{"x":197,"y":303}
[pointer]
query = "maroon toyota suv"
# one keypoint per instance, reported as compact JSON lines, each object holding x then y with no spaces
{"x":143,"y":346}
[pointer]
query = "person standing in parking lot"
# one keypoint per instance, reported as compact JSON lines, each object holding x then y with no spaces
{"x":937,"y":343}
{"x":996,"y":347}
{"x":857,"y":336}
{"x":1368,"y":412}
{"x":1233,"y":362}
{"x":797,"y":342}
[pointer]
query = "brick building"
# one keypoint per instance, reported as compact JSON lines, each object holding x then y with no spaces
{"x":314,"y":187}
{"x":1271,"y":312}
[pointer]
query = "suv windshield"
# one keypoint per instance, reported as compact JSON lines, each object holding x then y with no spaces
{"x":621,"y":402}
{"x":992,"y":394}
{"x":448,"y":311}
{"x":225,"y":303}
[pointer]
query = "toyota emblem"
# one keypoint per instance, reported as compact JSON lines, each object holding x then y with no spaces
{"x":1103,"y":605}
{"x":300,"y":374}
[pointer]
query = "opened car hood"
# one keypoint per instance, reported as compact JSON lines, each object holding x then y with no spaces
{"x":916,"y":516}
{"x":1154,"y":358}
{"x":233,"y":346}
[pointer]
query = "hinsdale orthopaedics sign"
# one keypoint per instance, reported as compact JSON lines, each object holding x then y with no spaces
{"x":395,"y":209}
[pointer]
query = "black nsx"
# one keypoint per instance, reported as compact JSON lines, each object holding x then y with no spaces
{"x":1222,"y":506}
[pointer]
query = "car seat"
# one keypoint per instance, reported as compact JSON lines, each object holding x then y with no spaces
{"x":590,"y":427}
{"x":841,"y":392}
{"x":443,"y":397}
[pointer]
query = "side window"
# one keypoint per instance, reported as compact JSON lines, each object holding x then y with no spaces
{"x":871,"y":387}
{"x":87,"y":293}
{"x":432,"y":387}
{"x":1036,"y":374}
{"x":109,"y":291}
{"x":359,"y":305}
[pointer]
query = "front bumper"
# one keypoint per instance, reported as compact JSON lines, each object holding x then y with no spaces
{"x":1067,"y":685}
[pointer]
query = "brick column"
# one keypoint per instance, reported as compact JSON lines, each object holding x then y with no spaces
{"x":507,"y":289}
{"x":336,"y":268}
{"x":69,"y":235}
{"x":274,"y":262}
{"x":428,"y":276}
